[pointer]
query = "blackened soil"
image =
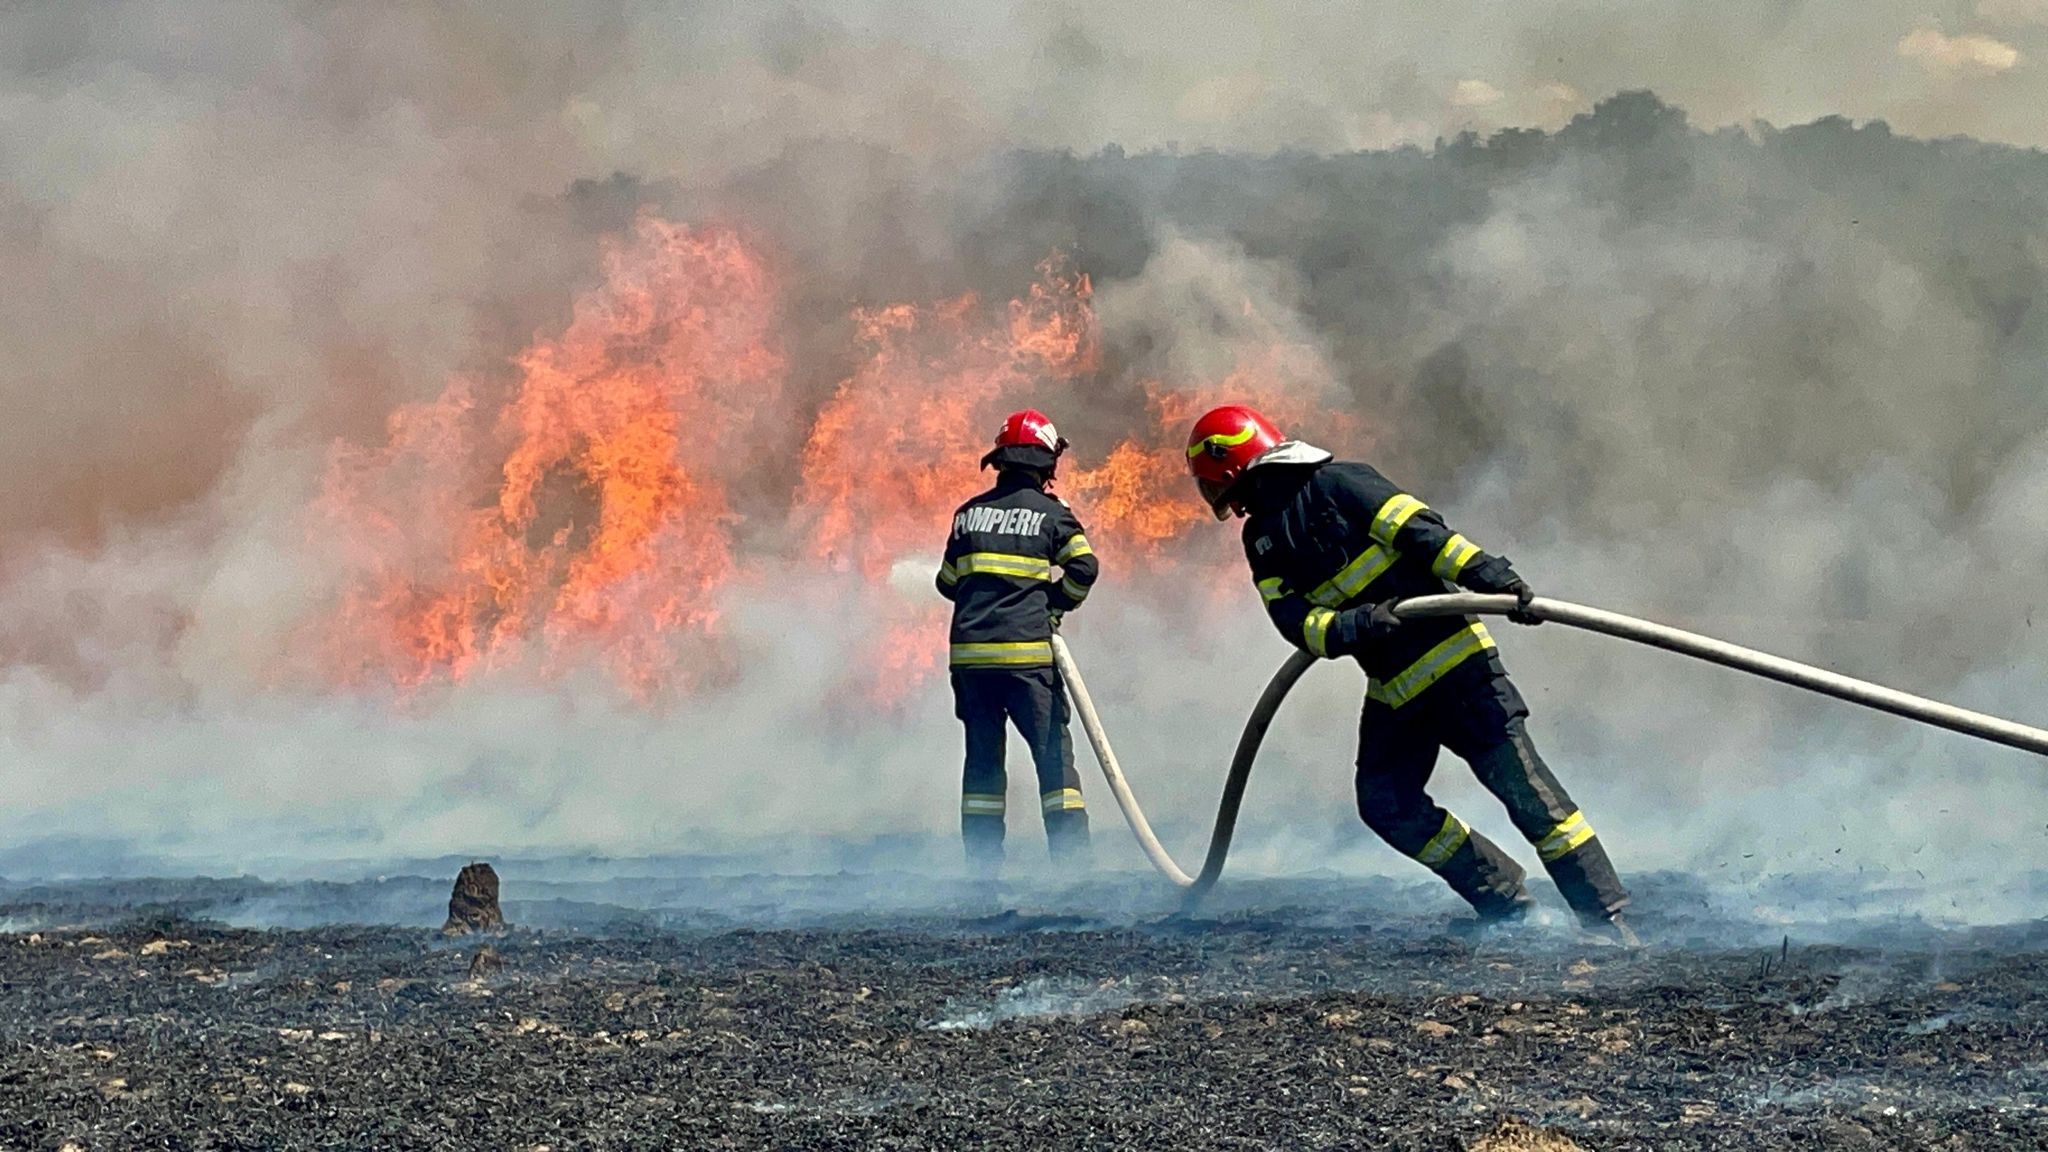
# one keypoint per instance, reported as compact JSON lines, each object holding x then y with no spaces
{"x":1012,"y":1032}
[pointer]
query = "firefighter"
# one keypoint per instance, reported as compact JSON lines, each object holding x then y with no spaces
{"x":1016,"y":561}
{"x":1333,"y":546}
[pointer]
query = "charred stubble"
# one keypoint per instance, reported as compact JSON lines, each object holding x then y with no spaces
{"x":1008,"y":1032}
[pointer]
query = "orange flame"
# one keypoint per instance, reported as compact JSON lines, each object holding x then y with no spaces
{"x":894,"y":450}
{"x":608,"y":532}
{"x":888,"y":454}
{"x":585,"y":518}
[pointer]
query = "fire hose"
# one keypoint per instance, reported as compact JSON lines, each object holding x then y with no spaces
{"x":1926,"y":711}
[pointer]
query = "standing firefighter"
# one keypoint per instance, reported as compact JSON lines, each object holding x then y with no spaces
{"x":999,"y":574}
{"x":1332,"y":546}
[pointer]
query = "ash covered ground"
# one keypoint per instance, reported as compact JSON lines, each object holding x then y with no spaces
{"x":660,"y":1004}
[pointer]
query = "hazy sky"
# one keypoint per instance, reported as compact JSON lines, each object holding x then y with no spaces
{"x":1335,"y":75}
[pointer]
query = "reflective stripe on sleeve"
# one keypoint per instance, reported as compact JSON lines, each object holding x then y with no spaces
{"x":1452,"y":558}
{"x":1061,"y":800}
{"x":1393,"y":515}
{"x":1270,"y":589}
{"x":1570,"y":832}
{"x":1445,"y":843}
{"x":1315,"y":630}
{"x":1076,"y":592}
{"x":948,"y":574}
{"x":1354,"y":577}
{"x":1076,"y":546}
{"x":1434,"y":665}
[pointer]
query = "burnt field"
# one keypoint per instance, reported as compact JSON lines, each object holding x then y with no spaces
{"x":838,"y":1012}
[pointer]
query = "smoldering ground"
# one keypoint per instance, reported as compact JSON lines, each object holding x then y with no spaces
{"x":1778,"y":382}
{"x":1361,"y":1024}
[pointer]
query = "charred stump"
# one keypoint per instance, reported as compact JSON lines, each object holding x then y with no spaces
{"x":473,"y":906}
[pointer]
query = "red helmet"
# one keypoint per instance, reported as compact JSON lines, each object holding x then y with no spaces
{"x":1224,"y":443}
{"x":1030,"y":427}
{"x":1026,"y":439}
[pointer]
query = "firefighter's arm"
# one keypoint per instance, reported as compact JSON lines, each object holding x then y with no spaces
{"x":1300,"y":623}
{"x":1405,"y":524}
{"x":1325,"y":632}
{"x":1071,"y":553}
{"x":1456,"y":559}
{"x":948,"y":579}
{"x":1315,"y":630}
{"x":1402,"y":522}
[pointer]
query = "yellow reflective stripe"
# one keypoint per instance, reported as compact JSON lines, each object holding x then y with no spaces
{"x":1077,"y":592}
{"x":1445,"y":843}
{"x":1355,"y":577}
{"x":1022,"y":652}
{"x":1270,"y":590}
{"x":1468,"y":642}
{"x":948,"y":574}
{"x":1570,"y":832}
{"x":1315,"y":630}
{"x":981,"y":804}
{"x":1392,"y":515}
{"x":1061,"y":800}
{"x":1222,"y":440}
{"x":1003,"y":564}
{"x":1078,"y":546}
{"x":1452,"y":558}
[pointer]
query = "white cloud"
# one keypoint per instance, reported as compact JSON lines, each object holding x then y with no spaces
{"x":1975,"y":55}
{"x":1474,"y":94}
{"x":2014,"y":11}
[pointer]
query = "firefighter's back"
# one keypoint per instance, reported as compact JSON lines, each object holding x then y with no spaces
{"x":999,"y":562}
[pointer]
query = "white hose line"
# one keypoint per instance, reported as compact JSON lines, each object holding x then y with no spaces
{"x":1233,"y":785}
{"x":1750,"y":660}
{"x":1091,"y":723}
{"x":1877,"y":696}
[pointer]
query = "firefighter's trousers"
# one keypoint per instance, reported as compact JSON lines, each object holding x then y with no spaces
{"x":1481,"y":719}
{"x":1032,"y":699}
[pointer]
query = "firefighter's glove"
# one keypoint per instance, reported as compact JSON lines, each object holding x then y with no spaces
{"x":1495,"y":576}
{"x":1522,"y":593}
{"x":1055,"y":616}
{"x":1378,"y":620}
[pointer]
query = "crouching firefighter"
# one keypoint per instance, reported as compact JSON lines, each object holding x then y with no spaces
{"x":1332,"y":547}
{"x":1016,"y":561}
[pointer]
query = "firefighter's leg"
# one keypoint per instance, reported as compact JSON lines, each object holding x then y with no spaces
{"x":1396,"y":754}
{"x":978,"y":702}
{"x":1493,"y":737}
{"x":1038,"y":705}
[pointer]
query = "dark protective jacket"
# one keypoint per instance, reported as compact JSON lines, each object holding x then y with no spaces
{"x":998,"y":572}
{"x":1327,"y":541}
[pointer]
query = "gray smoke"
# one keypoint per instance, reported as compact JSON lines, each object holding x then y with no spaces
{"x":1778,"y":385}
{"x":1783,"y":384}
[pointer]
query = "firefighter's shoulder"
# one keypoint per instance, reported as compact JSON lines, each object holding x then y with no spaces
{"x":1039,"y":500}
{"x":976,"y":500}
{"x":1356,"y":473}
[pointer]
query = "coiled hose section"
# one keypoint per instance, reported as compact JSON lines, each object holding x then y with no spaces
{"x":1992,"y":728}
